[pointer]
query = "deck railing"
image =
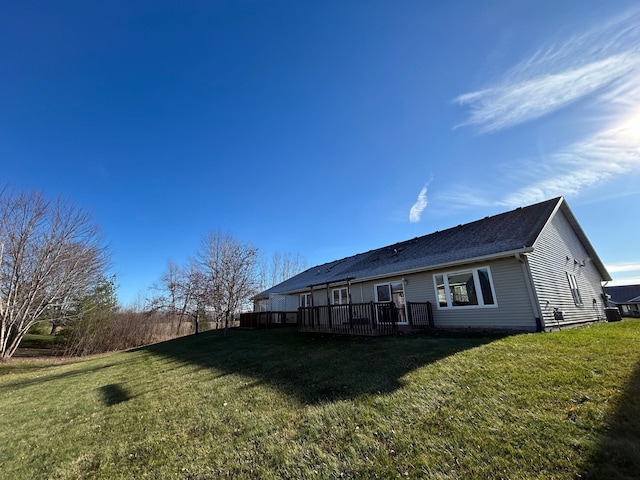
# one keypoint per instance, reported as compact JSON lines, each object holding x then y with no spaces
{"x":374,"y":318}
{"x":267,"y":319}
{"x":420,"y":314}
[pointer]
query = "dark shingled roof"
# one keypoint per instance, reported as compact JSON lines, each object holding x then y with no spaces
{"x":623,"y":294}
{"x":516,"y":230}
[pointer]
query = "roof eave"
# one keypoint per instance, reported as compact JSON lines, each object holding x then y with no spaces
{"x":455,"y":263}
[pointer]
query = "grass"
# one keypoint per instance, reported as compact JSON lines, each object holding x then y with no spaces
{"x":42,"y":341}
{"x":277,"y":404}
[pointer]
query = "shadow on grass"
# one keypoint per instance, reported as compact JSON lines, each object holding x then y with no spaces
{"x":317,"y":368}
{"x":618,"y":452}
{"x":112,"y":394}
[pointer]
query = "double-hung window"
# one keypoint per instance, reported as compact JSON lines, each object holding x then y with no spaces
{"x":465,"y":288}
{"x":305,"y":299}
{"x":340,"y":296}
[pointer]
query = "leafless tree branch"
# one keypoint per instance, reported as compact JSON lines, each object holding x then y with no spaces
{"x":51,"y":254}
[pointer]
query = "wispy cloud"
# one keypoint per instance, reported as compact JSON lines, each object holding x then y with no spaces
{"x":421,"y":203}
{"x":603,"y":65}
{"x":587,"y":163}
{"x":600,"y":61}
{"x":624,"y":281}
{"x":623,"y":267}
{"x":508,"y":105}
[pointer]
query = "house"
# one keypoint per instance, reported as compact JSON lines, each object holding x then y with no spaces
{"x":626,"y":298}
{"x":529,"y":269}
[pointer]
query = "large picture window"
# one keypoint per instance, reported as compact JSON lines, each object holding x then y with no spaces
{"x":466,"y":288}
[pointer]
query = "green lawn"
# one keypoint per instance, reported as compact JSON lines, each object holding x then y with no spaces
{"x":277,"y":404}
{"x":43,"y":341}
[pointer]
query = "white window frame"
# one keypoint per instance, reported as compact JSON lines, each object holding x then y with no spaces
{"x":343,"y":296}
{"x":305,"y":300}
{"x":477,"y":285}
{"x":575,"y":289}
{"x":402,"y":311}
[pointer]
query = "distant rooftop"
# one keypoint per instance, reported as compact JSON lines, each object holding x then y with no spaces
{"x":624,"y":293}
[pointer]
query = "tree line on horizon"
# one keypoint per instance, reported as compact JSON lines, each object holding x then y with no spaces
{"x":54,"y":274}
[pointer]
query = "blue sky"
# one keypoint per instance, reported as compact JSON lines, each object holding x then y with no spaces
{"x":322,"y":128}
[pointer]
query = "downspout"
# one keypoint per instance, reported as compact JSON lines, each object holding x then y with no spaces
{"x":535,"y":303}
{"x":605,"y":300}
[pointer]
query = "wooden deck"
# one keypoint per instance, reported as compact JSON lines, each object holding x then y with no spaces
{"x":364,"y":318}
{"x":267,"y":319}
{"x":351,"y":319}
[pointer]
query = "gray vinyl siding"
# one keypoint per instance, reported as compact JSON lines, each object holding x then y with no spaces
{"x":559,"y":251}
{"x":319,"y":296}
{"x":292,"y":303}
{"x":514,"y":309}
{"x":357,"y":293}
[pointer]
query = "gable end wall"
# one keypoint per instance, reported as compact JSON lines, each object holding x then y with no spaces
{"x":555,"y":253}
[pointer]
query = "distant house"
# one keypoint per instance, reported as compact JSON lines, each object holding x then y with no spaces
{"x":626,"y":298}
{"x":529,"y":269}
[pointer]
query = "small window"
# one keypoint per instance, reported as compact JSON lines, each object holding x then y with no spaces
{"x":575,"y":291}
{"x":383,"y":293}
{"x":305,"y":299}
{"x":466,"y":288}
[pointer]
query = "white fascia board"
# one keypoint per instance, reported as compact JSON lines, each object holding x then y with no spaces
{"x":441,"y":266}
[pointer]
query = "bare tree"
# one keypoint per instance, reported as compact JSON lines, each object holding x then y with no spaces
{"x":279,"y":268}
{"x":51,"y":253}
{"x":229,"y":273}
{"x":183,"y":289}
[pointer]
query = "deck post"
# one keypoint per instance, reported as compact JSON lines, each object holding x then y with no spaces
{"x":409,"y":314}
{"x":349,"y":300}
{"x":313,"y":310}
{"x":329,"y":307}
{"x":394,"y":317}
{"x":372,"y":315}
